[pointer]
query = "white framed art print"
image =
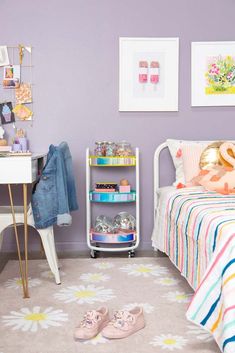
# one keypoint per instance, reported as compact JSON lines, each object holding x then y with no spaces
{"x":213,"y":73}
{"x":148,"y":74}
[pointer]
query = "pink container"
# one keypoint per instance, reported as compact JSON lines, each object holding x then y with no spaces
{"x":126,"y":188}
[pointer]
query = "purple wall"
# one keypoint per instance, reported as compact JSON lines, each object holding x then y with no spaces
{"x":76,"y":82}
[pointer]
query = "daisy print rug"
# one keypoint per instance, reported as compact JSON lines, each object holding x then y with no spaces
{"x":45,"y":322}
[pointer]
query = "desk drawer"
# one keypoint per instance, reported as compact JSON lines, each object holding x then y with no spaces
{"x":15,"y":170}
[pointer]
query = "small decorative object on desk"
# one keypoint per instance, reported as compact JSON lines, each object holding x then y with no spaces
{"x":20,"y":142}
{"x":3,"y":142}
{"x":4,"y":148}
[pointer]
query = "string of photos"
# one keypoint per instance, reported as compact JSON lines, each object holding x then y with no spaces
{"x":16,"y":81}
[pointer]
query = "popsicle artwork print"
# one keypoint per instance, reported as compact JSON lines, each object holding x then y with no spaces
{"x":154,"y":72}
{"x":143,"y":71}
{"x":149,"y":72}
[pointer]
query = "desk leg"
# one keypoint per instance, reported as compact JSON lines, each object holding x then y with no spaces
{"x":17,"y":241}
{"x":26,"y":238}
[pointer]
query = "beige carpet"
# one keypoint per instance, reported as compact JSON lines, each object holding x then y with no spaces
{"x":45,"y":322}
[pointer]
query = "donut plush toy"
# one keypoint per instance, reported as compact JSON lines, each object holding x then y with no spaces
{"x":219,"y":178}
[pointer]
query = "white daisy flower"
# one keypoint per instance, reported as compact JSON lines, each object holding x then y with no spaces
{"x":178,"y":297}
{"x":145,"y":270}
{"x":167,"y":281}
{"x":146,"y":307}
{"x":94,"y":277}
{"x":49,"y":275}
{"x":170,"y":342}
{"x":16,"y":283}
{"x":200,"y":333}
{"x":35,"y":319}
{"x":96,"y":340}
{"x":103,"y":265}
{"x":84,"y":294}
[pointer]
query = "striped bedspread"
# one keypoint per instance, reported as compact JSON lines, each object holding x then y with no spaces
{"x":199,"y":238}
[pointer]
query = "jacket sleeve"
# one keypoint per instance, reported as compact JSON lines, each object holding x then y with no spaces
{"x":63,"y":215}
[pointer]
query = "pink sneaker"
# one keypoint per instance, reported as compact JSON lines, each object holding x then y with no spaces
{"x":93,"y":322}
{"x":124,"y":323}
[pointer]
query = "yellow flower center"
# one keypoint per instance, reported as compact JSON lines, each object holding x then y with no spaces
{"x":167,"y":280}
{"x":84,"y":294}
{"x":144,"y":269}
{"x":36,"y":317}
{"x":19,"y":282}
{"x":95,"y":277}
{"x":169,"y":341}
{"x":181,"y":296}
{"x":49,"y":274}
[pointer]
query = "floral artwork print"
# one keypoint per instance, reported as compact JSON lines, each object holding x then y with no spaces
{"x":220,"y":75}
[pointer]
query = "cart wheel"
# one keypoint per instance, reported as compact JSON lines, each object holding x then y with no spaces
{"x":131,"y":253}
{"x":93,"y":254}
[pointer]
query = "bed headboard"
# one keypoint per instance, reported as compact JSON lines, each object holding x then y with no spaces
{"x":156,"y":167}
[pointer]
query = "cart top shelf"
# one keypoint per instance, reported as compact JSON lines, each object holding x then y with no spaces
{"x":116,"y":161}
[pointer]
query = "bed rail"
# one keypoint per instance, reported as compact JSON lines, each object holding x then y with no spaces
{"x":156,"y":169}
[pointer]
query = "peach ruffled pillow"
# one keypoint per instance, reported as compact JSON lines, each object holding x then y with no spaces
{"x":191,"y":157}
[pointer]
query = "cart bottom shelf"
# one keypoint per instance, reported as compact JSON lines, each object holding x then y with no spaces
{"x":115,"y":238}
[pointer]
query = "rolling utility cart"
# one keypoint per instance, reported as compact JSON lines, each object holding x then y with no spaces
{"x":127,"y":240}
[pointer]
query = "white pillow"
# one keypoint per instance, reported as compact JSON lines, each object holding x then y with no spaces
{"x":175,"y":148}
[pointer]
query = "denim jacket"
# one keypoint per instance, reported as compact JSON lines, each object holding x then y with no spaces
{"x":54,"y":195}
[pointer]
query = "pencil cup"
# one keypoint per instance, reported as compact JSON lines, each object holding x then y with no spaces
{"x":16,"y":147}
{"x":23,"y":143}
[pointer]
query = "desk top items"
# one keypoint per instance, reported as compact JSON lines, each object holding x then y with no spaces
{"x":20,"y":142}
{"x":3,"y":142}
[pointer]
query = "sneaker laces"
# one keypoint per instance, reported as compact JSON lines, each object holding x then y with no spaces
{"x":90,"y":319}
{"x":122,"y":319}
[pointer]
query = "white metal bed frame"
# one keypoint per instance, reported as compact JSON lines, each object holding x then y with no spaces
{"x":156,"y":169}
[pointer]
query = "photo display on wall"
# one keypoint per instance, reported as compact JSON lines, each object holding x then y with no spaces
{"x":16,"y":81}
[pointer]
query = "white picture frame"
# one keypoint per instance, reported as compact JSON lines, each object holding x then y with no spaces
{"x":148,"y":74}
{"x":211,"y":80}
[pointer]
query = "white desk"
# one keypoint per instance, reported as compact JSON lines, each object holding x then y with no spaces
{"x":21,"y":170}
